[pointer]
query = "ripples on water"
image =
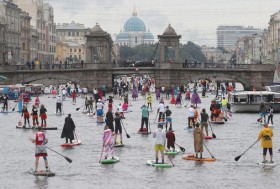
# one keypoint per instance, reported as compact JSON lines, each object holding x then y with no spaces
{"x":233,"y":138}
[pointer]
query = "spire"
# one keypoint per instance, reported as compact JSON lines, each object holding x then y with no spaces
{"x":134,"y":13}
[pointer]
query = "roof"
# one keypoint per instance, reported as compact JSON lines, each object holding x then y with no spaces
{"x":169,"y":31}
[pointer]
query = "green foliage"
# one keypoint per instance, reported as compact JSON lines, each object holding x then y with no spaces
{"x":191,"y":52}
{"x":188,"y":51}
{"x":223,"y":50}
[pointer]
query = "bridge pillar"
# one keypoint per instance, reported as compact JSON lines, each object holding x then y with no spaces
{"x":99,"y":46}
{"x":169,"y":38}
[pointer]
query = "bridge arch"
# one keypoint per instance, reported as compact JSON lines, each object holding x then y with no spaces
{"x":58,"y":77}
{"x":246,"y":85}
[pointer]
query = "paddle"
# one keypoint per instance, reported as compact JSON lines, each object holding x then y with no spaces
{"x":213,"y":135}
{"x":14,"y":106}
{"x":181,"y":148}
{"x":156,"y":118}
{"x":238,"y":157}
{"x":127,"y":135}
{"x":149,"y":126}
{"x":170,"y":159}
{"x":101,"y":153}
{"x":77,"y":109}
{"x":208,"y":151}
{"x":68,"y":159}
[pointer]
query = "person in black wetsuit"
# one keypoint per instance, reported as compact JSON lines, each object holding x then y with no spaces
{"x":110,"y":120}
{"x":118,"y":127}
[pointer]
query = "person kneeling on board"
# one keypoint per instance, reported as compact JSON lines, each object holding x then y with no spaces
{"x":266,"y":135}
{"x":170,"y":136}
{"x":160,"y":140}
{"x":40,"y":150}
{"x":198,"y":140}
{"x":68,"y":129}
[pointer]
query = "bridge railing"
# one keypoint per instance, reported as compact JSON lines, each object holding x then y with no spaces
{"x":73,"y":66}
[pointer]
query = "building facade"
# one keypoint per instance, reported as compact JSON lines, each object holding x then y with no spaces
{"x":213,"y":55}
{"x":25,"y":30}
{"x":227,"y":36}
{"x":273,"y":38}
{"x":73,"y":52}
{"x":42,"y":20}
{"x":134,"y":33}
{"x":10,"y":16}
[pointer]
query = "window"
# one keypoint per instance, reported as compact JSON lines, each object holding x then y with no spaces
{"x":80,"y":50}
{"x":70,"y":50}
{"x":74,"y":50}
{"x":23,"y":46}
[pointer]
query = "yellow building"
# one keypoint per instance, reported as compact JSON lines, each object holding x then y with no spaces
{"x":71,"y":51}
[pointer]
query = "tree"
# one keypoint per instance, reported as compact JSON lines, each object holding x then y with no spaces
{"x":191,"y":52}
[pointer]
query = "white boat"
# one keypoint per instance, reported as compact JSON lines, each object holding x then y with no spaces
{"x":249,"y":101}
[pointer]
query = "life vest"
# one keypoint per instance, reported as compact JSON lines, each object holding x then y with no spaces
{"x":40,"y":137}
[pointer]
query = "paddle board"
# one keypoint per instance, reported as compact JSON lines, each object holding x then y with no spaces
{"x":109,"y":160}
{"x":143,"y":132}
{"x":74,"y":143}
{"x":118,"y":145}
{"x":267,"y":164}
{"x":150,"y":110}
{"x":158,"y":165}
{"x":44,"y":173}
{"x":187,"y":157}
{"x":127,"y":111}
{"x":6,"y":112}
{"x":43,"y":128}
{"x":208,"y":137}
{"x":172,"y":153}
{"x":100,"y":122}
{"x":58,"y":114}
{"x":188,"y":128}
{"x":161,"y":123}
{"x":217,"y":122}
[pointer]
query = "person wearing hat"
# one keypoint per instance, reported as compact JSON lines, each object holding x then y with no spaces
{"x":40,"y":141}
{"x":160,"y":141}
{"x":145,"y":118}
{"x":266,"y":135}
{"x":43,"y":115}
{"x":68,"y":129}
{"x":99,"y":110}
{"x":58,"y":103}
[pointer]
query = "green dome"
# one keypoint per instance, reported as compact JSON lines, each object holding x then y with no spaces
{"x":122,"y":36}
{"x":134,"y":24}
{"x":148,"y":35}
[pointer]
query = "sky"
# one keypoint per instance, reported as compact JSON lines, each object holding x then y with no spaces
{"x":195,"y":20}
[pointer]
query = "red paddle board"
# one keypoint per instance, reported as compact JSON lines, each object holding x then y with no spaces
{"x":74,"y":143}
{"x":208,"y":137}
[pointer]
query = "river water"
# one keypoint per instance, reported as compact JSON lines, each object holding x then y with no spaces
{"x":233,"y":138}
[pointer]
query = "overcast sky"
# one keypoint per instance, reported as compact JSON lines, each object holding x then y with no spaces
{"x":195,"y":20}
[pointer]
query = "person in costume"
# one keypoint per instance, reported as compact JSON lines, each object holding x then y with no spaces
{"x":68,"y":129}
{"x":195,"y":98}
{"x":108,"y":142}
{"x":149,"y":99}
{"x":266,"y":135}
{"x":43,"y":115}
{"x":40,"y":140}
{"x":35,"y":116}
{"x":25,"y":115}
{"x":198,"y":140}
{"x":170,"y":136}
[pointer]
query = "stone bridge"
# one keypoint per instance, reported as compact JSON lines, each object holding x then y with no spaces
{"x":98,"y":74}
